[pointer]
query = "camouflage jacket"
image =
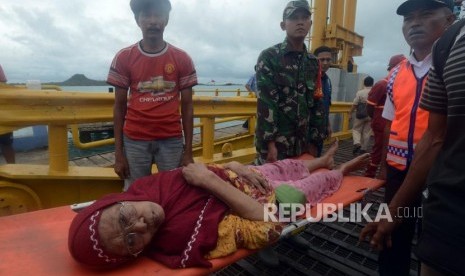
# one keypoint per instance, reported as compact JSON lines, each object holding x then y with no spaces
{"x":286,"y":106}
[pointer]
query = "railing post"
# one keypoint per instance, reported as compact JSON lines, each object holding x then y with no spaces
{"x":238,"y":92}
{"x":345,"y":122}
{"x":208,"y":137}
{"x":252,"y":124}
{"x":58,"y":148}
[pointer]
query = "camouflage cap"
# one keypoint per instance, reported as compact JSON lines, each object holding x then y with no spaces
{"x":292,"y":6}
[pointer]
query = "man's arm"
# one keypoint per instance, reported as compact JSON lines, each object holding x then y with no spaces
{"x":249,"y":89}
{"x":383,"y":163}
{"x":187,"y":115}
{"x":375,"y":95}
{"x":248,"y":85}
{"x":246,"y":207}
{"x":389,"y":115}
{"x":267,"y":106}
{"x":354,"y":105}
{"x":119,"y":114}
{"x":426,"y":152}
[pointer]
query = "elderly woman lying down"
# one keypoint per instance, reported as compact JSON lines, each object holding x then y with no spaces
{"x":186,"y":216}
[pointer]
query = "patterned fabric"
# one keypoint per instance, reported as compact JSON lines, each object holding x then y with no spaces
{"x":409,"y":122}
{"x":243,"y":186}
{"x":286,"y":104}
{"x":319,"y":119}
{"x":390,"y":83}
{"x":235,"y":232}
{"x":154,"y":82}
{"x":198,"y":224}
{"x":316,"y":186}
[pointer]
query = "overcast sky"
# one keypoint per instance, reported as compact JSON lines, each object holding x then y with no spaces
{"x":50,"y":40}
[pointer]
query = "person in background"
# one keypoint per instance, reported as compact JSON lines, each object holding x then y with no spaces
{"x":287,"y":80}
{"x":361,"y":130}
{"x":375,"y":106}
{"x":424,"y":22}
{"x":438,"y":162}
{"x":324,"y":56}
{"x":6,"y":139}
{"x":148,"y":124}
{"x":251,"y":87}
{"x":251,"y":84}
{"x":3,"y":79}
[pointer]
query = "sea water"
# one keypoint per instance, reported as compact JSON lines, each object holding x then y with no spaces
{"x":201,"y":90}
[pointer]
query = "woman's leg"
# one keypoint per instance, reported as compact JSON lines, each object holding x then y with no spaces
{"x":287,"y":170}
{"x":319,"y":185}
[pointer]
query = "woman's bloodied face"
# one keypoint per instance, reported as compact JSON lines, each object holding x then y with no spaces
{"x":125,"y":228}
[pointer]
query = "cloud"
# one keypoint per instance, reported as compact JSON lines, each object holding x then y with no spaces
{"x":51,"y":40}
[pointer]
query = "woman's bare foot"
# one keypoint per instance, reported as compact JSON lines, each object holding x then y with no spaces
{"x":359,"y":162}
{"x":328,"y":157}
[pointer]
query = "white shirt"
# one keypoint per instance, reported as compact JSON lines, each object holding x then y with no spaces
{"x":420,"y":68}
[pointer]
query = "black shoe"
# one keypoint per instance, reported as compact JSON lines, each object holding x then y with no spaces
{"x":269,"y":257}
{"x":360,"y":152}
{"x":356,"y":149}
{"x":299,"y":242}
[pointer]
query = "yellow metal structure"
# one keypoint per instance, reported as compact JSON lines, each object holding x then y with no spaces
{"x":26,"y":187}
{"x":333,"y":26}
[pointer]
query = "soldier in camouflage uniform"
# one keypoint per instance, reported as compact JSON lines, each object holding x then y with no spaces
{"x":289,"y":92}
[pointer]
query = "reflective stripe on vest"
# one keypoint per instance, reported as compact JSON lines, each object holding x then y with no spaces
{"x":410,"y":122}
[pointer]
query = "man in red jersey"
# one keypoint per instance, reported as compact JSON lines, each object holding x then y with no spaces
{"x":159,"y":77}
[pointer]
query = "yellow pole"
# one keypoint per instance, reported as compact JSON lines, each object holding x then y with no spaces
{"x":208,"y":137}
{"x":349,"y":19}
{"x":349,"y":23}
{"x":337,"y":12}
{"x":58,"y":148}
{"x":320,"y":17}
{"x":252,"y":125}
{"x":345,"y":122}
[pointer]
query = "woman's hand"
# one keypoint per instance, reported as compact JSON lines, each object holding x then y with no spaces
{"x":250,"y":176}
{"x":196,"y":174}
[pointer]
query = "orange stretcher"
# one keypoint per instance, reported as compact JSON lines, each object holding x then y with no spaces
{"x":36,"y":243}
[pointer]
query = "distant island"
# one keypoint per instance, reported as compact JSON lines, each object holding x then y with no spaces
{"x":79,"y":80}
{"x":218,"y":84}
{"x":82,"y":80}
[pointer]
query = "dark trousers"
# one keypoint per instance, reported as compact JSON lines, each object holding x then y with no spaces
{"x":396,"y":260}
